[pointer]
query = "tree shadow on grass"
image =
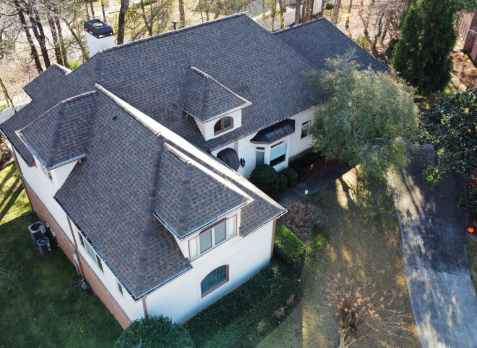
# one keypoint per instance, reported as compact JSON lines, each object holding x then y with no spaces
{"x":10,"y":198}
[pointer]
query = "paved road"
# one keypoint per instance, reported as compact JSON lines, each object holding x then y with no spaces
{"x":442,"y":294}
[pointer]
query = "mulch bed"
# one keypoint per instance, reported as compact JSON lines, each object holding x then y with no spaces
{"x":310,"y":165}
{"x":5,"y":155}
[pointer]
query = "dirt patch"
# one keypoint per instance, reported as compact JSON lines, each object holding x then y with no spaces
{"x":464,"y":69}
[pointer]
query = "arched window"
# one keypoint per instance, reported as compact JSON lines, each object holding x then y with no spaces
{"x":224,"y":124}
{"x":214,"y":280}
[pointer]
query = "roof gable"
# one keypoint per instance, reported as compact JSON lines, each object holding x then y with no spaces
{"x":61,"y":134}
{"x":190,"y":197}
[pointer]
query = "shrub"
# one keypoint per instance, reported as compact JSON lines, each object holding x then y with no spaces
{"x":265,"y":177}
{"x":365,"y":43}
{"x":240,"y":312}
{"x":155,"y":332}
{"x":288,"y":248}
{"x":292,"y":176}
{"x":73,"y":64}
{"x":282,"y":182}
{"x":330,"y":6}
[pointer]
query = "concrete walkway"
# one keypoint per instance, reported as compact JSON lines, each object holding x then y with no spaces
{"x":315,"y":183}
{"x":433,"y":233}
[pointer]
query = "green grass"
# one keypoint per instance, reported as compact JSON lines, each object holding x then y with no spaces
{"x":38,"y":306}
{"x":358,"y":231}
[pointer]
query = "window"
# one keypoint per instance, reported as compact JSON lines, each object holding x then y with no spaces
{"x":278,"y":153}
{"x":120,"y":288}
{"x":46,"y":172}
{"x":89,"y":249}
{"x":223,"y":125}
{"x":213,"y":280}
{"x":260,"y":156}
{"x":212,"y":237}
{"x":305,"y":129}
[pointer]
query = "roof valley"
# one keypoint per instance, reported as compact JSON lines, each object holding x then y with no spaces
{"x":150,"y":219}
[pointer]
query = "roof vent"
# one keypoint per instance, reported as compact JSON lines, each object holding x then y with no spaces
{"x":99,"y":35}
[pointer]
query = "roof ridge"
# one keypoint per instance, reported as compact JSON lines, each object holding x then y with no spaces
{"x":172,"y":32}
{"x":300,"y":25}
{"x":56,"y":134}
{"x":150,"y":219}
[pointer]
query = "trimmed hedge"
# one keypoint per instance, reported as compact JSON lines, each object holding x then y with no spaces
{"x":289,"y":248}
{"x":282,"y":182}
{"x":155,"y":332}
{"x":235,"y":315}
{"x":265,"y":177}
{"x":291,"y":175}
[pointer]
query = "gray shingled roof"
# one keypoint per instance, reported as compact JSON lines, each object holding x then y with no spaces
{"x":319,"y":40}
{"x":206,"y":98}
{"x":113,"y":195}
{"x":189,"y":196}
{"x":152,"y":74}
{"x":64,"y":131}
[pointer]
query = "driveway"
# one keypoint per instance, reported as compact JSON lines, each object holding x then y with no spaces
{"x":442,"y":294}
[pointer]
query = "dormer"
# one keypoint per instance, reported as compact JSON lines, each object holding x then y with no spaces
{"x":201,"y":209}
{"x":59,"y":138}
{"x":216,"y":109}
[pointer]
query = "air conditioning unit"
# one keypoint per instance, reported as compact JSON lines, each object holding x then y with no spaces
{"x":44,"y":245}
{"x":37,"y":231}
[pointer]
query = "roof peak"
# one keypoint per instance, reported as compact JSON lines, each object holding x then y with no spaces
{"x":181,"y":30}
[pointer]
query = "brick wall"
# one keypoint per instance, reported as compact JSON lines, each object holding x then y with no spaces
{"x":69,"y":249}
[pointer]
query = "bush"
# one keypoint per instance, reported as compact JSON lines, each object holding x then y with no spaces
{"x":265,"y":177}
{"x":288,"y":248}
{"x":238,"y":313}
{"x":73,"y":64}
{"x":155,"y":332}
{"x":365,"y":43}
{"x":292,"y":176}
{"x":282,"y":182}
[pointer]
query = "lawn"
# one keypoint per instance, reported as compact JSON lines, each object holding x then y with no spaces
{"x":39,"y":308}
{"x":359,"y":231}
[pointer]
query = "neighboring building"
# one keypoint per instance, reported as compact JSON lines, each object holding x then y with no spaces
{"x":467,"y":30}
{"x":118,"y":156}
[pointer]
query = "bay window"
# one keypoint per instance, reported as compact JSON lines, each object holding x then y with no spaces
{"x":212,"y":237}
{"x":259,"y":156}
{"x":278,"y":153}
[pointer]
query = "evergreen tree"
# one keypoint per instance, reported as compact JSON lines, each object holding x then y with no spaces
{"x":422,"y":57}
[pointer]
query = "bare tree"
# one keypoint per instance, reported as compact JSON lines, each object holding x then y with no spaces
{"x":283,"y":9}
{"x":182,"y":18}
{"x":336,"y":12}
{"x":33,"y":10}
{"x":34,"y":52}
{"x":350,"y":8}
{"x":121,"y":21}
{"x":297,"y":12}
{"x":360,"y":309}
{"x":309,"y":10}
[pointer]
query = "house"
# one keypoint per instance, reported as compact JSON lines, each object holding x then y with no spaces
{"x":467,"y":31}
{"x":138,"y":159}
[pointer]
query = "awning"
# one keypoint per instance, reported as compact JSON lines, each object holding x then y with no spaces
{"x":274,"y":132}
{"x":230,"y":158}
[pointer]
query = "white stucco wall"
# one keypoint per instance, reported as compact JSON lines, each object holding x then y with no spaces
{"x":45,"y":190}
{"x":181,"y":298}
{"x":297,"y":144}
{"x":247,"y":150}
